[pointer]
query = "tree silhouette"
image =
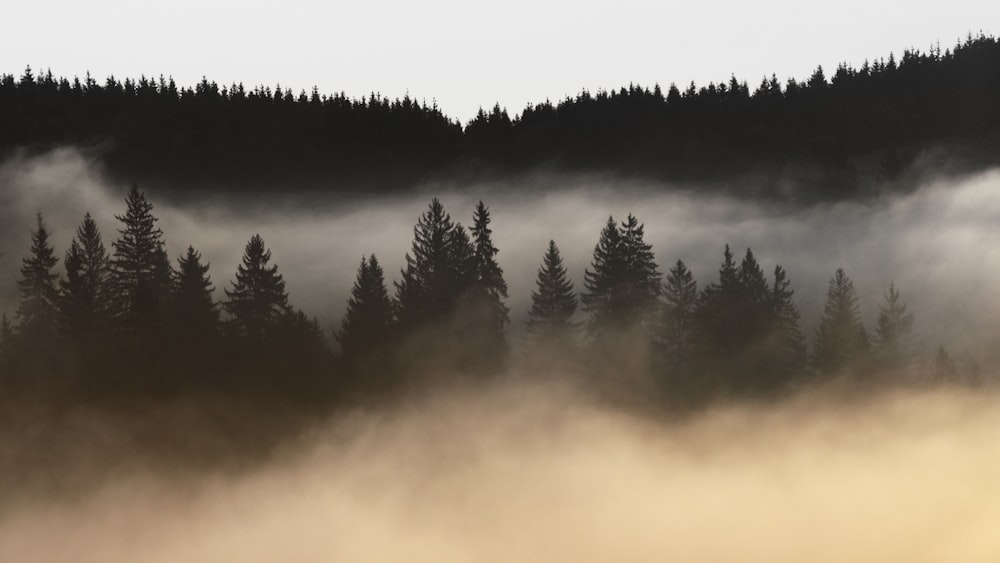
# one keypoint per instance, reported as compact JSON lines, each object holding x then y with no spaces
{"x":195,"y":315}
{"x":364,"y":335}
{"x":841,"y":341}
{"x":484,"y":302}
{"x":788,"y":343}
{"x":85,"y":304}
{"x":553,"y":303}
{"x":437,"y":269}
{"x":623,"y":283}
{"x":680,"y":292}
{"x":895,"y":348}
{"x":257,"y":299}
{"x":140,"y":269}
{"x":37,"y":312}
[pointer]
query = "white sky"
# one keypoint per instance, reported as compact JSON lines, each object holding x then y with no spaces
{"x":467,"y":54}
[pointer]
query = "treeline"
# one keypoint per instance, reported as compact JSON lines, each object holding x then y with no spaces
{"x":128,"y":320}
{"x":833,"y":135}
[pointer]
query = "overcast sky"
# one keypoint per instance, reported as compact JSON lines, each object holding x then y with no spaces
{"x":464,"y":53}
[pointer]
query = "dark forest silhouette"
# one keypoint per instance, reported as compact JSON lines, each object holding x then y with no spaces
{"x":129,"y":321}
{"x":834,"y":135}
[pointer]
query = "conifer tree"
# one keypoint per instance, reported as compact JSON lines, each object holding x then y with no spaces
{"x":680,"y":292}
{"x":623,"y":285}
{"x":895,"y":349}
{"x":437,"y":269}
{"x":257,"y":299}
{"x":85,"y":305}
{"x":364,"y":332}
{"x":37,"y":312}
{"x":140,"y":269}
{"x":553,"y":302}
{"x":790,"y":347}
{"x":484,"y":301}
{"x":841,"y":340}
{"x":195,"y":315}
{"x":716,"y":328}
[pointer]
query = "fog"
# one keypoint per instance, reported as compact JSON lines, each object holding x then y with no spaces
{"x":522,"y":472}
{"x":528,"y":467}
{"x":937,"y":243}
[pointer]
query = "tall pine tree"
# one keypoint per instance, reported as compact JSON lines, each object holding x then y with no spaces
{"x":195,"y":315}
{"x":85,"y":305}
{"x":437,"y":269}
{"x":841,"y":341}
{"x":257,"y":299}
{"x":140,"y":272}
{"x":364,"y":334}
{"x":680,"y":292}
{"x":896,"y":351}
{"x":483,"y":304}
{"x":553,"y":303}
{"x":623,"y":284}
{"x":37,"y":312}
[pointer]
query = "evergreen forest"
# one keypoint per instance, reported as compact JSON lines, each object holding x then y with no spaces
{"x":847,"y":132}
{"x":115,"y":316}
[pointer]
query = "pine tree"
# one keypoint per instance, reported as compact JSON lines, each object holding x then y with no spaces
{"x":437,"y":269}
{"x":602,"y":279}
{"x":195,"y":315}
{"x":37,"y":312}
{"x":85,"y":307}
{"x":789,"y":350}
{"x":553,"y":303}
{"x":483,"y":304}
{"x":680,"y":293}
{"x":258,"y":299}
{"x":364,"y":332}
{"x":623,"y":285}
{"x":895,"y":349}
{"x":841,"y":340}
{"x":715,"y":326}
{"x":141,"y":275}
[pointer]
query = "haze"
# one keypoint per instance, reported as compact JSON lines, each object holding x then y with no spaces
{"x":545,"y":475}
{"x":937,"y":243}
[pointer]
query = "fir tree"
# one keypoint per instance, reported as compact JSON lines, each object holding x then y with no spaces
{"x":37,"y":311}
{"x":841,"y":340}
{"x":85,"y":305}
{"x":141,"y":275}
{"x":484,"y":301}
{"x":715,"y":327}
{"x":257,"y":299}
{"x":895,"y":349}
{"x":196,"y":317}
{"x":623,"y":284}
{"x":789,"y":343}
{"x":553,"y":302}
{"x":437,"y":269}
{"x":680,"y":292}
{"x":364,"y":331}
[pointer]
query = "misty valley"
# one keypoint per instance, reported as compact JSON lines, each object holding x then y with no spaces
{"x":645,"y":324}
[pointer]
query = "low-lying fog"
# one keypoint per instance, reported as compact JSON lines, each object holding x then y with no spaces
{"x":520,"y":473}
{"x":938,"y":244}
{"x":521,"y":470}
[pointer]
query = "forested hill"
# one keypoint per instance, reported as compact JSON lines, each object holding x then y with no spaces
{"x":833,"y":135}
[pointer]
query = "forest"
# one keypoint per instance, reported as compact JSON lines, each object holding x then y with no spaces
{"x":127,"y":321}
{"x":850,"y":133}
